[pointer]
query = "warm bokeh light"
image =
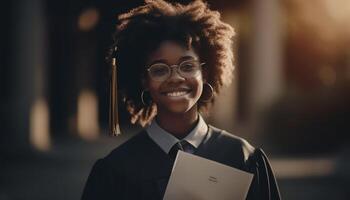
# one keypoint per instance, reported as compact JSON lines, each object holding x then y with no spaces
{"x":318,"y":35}
{"x":88,"y":19}
{"x":87,"y":116}
{"x":325,"y":24}
{"x":39,"y":125}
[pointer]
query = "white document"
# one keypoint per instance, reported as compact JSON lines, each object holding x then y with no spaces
{"x":197,"y":178}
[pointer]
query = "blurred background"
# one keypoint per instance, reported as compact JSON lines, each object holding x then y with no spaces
{"x":290,"y":94}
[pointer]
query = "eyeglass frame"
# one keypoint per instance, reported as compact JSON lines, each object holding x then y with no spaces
{"x":171,"y":67}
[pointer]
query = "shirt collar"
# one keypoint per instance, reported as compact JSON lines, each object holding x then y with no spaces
{"x":166,"y":140}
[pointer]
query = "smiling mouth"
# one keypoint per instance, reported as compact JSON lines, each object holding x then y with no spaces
{"x":176,"y":93}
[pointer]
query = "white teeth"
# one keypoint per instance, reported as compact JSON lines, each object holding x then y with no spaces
{"x":176,"y":94}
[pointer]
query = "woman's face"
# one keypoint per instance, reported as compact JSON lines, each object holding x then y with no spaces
{"x":175,"y":94}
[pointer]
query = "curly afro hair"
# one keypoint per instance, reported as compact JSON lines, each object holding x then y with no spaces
{"x":141,"y":30}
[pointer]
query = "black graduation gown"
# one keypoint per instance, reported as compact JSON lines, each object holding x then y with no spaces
{"x":140,"y":169}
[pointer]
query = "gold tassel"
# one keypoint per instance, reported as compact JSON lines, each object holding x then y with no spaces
{"x":114,"y":128}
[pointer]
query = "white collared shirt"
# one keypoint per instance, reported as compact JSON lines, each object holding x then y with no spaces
{"x":166,"y":140}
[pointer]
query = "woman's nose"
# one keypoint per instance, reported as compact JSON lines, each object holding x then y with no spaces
{"x":174,"y":75}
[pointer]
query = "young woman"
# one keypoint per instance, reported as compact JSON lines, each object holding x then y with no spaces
{"x":172,"y":62}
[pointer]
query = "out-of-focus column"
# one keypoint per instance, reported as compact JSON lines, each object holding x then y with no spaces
{"x":86,"y":67}
{"x":30,"y":114}
{"x":265,"y":78}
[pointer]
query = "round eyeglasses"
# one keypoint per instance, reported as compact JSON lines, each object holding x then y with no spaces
{"x":186,"y":69}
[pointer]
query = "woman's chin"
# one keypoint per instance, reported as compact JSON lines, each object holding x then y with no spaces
{"x":178,"y":108}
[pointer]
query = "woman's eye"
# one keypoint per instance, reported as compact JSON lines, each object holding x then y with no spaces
{"x":159,"y":71}
{"x":187,"y":67}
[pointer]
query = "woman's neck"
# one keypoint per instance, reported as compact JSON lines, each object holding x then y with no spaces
{"x":179,"y":125}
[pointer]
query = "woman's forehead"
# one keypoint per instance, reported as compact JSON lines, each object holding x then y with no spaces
{"x":171,"y":52}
